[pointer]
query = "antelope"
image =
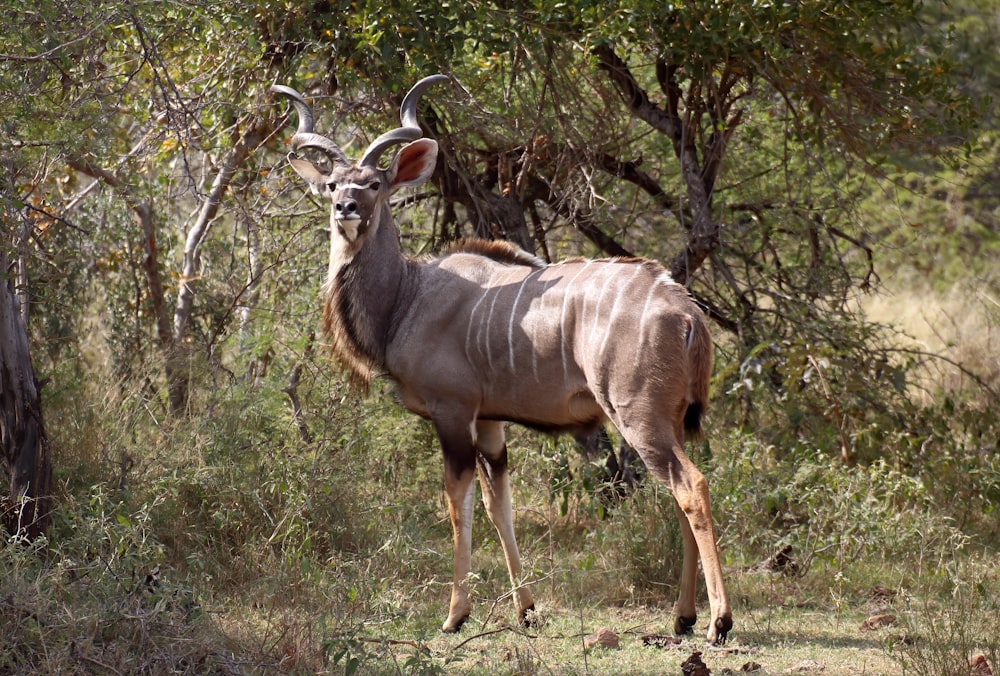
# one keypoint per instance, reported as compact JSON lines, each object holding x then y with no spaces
{"x":488,"y":334}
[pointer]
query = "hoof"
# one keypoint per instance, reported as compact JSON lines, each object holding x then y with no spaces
{"x":453,"y":626}
{"x":684,"y":625}
{"x":720,"y":631}
{"x":529,"y":619}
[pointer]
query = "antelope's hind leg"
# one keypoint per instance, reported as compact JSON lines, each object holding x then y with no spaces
{"x":690,"y":489}
{"x":685,"y":611}
{"x":493,"y":478}
{"x":666,"y":460}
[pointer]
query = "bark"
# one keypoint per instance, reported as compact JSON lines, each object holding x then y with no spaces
{"x":27,"y":466}
{"x":494,"y":215}
{"x":629,"y":171}
{"x":253,"y":276}
{"x":583,"y":221}
{"x":292,"y":390}
{"x":146,"y":217}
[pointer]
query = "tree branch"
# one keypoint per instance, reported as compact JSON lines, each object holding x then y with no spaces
{"x":629,"y":171}
{"x":150,"y":263}
{"x":633,"y":95}
{"x":581,"y":220}
{"x":231,"y":163}
{"x":683,"y":132}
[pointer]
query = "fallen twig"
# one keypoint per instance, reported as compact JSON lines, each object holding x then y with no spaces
{"x":395,"y":641}
{"x":491,"y":632}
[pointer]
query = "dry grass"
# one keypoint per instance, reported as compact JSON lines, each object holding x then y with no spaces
{"x":85,"y":602}
{"x":961,"y":324}
{"x":790,"y":633}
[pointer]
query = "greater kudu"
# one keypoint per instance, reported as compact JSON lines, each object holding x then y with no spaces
{"x":487,"y":333}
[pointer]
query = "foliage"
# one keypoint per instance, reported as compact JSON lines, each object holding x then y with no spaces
{"x":825,"y":510}
{"x":95,"y":596}
{"x":835,"y":151}
{"x":233,"y":545}
{"x":523,"y":163}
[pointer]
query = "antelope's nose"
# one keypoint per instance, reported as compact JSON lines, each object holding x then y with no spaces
{"x":347,"y":209}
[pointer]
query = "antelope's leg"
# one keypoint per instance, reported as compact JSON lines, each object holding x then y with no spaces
{"x":459,"y":469}
{"x":690,"y":489}
{"x":667,"y":461}
{"x":496,"y":496}
{"x":685,"y":612}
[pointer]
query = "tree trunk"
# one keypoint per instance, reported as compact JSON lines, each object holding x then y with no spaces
{"x":25,"y":509}
{"x":173,"y":334}
{"x":175,"y":370}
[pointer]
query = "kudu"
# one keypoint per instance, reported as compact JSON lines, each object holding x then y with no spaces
{"x":488,"y":333}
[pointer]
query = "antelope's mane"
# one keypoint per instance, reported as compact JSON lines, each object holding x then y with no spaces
{"x":496,"y":250}
{"x":348,"y":327}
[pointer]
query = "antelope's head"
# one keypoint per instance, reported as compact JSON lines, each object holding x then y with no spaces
{"x":359,"y":192}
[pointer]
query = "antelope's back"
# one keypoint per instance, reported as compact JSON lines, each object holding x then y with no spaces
{"x":549,"y":346}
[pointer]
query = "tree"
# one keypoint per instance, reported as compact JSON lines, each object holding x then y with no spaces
{"x":727,"y":139}
{"x":122,"y":104}
{"x":736,"y":141}
{"x":731,"y":139}
{"x":26,"y":465}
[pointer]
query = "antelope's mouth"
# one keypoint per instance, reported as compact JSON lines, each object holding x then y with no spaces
{"x":349,"y":226}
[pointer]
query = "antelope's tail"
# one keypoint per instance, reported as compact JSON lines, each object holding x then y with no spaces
{"x":699,"y":356}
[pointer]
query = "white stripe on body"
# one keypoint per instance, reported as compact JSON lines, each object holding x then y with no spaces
{"x":610,"y":275}
{"x":489,"y":320}
{"x":588,"y":297}
{"x":616,"y":305}
{"x":513,"y":316}
{"x":642,"y":323}
{"x":533,"y":330}
{"x":664,"y":279}
{"x":472,"y":322}
{"x":562,"y":320}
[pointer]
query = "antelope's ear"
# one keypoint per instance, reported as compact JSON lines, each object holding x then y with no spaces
{"x":413,"y":164}
{"x":316,"y":179}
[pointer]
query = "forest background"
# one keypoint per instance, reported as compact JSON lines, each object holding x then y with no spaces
{"x":821,"y":175}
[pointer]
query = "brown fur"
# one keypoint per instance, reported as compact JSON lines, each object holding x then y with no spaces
{"x":497,"y":250}
{"x":345,"y":323}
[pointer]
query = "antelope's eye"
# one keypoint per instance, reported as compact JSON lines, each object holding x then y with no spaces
{"x":331,"y":186}
{"x":375,"y":185}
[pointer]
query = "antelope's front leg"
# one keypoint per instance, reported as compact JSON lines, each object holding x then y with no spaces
{"x":493,"y":478}
{"x":459,"y":487}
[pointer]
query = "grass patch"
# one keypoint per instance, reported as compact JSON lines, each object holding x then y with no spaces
{"x":276,"y":558}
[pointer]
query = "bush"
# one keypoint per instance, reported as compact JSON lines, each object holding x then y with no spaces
{"x":826,"y":509}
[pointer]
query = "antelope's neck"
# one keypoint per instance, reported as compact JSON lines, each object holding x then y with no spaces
{"x":363,"y":293}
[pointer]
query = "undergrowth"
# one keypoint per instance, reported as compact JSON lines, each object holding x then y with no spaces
{"x":241,"y":541}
